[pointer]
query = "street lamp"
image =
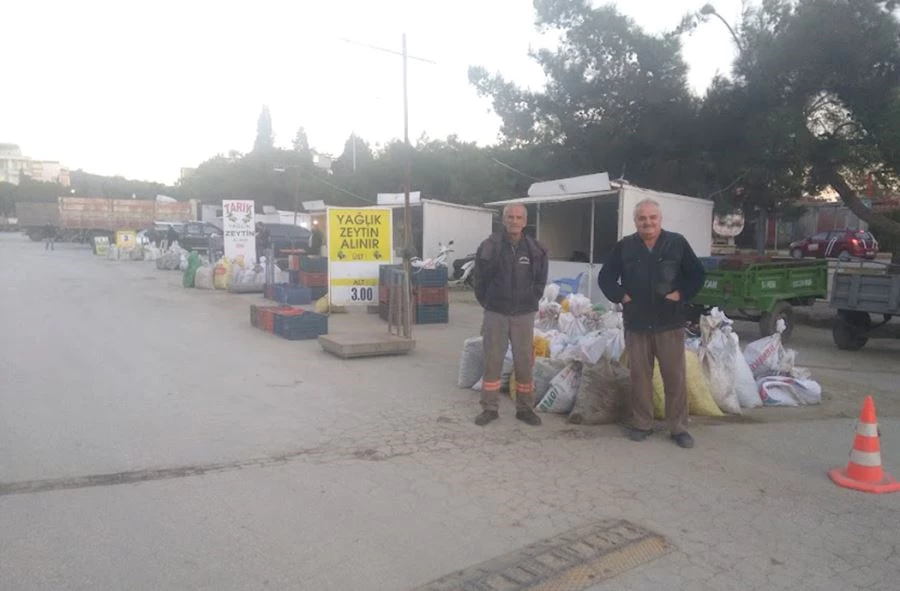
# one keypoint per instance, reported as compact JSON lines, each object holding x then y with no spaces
{"x":297,"y":193}
{"x":710,"y":10}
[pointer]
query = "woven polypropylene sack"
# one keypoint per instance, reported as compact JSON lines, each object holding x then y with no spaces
{"x":700,"y":399}
{"x":471,"y":362}
{"x":603,"y":394}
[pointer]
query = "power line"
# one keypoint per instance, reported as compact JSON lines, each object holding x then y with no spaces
{"x":375,"y":47}
{"x":516,"y":170}
{"x":333,"y":186}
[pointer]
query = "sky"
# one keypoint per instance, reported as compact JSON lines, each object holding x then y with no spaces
{"x":142,"y":89}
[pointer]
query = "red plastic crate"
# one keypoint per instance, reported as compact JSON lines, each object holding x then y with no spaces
{"x":432,"y":296}
{"x":313,"y":279}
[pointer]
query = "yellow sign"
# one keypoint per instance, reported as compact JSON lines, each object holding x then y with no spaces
{"x":359,"y":235}
{"x":126,"y":239}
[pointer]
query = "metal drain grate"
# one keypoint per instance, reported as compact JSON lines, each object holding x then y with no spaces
{"x":572,"y":561}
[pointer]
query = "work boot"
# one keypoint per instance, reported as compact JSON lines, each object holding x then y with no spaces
{"x":486,"y":417}
{"x":683,"y":440}
{"x":528,"y":417}
{"x":639,"y":434}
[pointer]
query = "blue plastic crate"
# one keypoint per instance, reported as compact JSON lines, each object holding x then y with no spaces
{"x":429,"y":277}
{"x":432,"y":314}
{"x":305,"y":326}
{"x":386,"y":272}
{"x":293,"y":295}
{"x":317,"y":293}
{"x":310,"y":264}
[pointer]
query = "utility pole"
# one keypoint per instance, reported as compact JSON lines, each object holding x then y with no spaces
{"x":405,"y":304}
{"x":406,"y":321}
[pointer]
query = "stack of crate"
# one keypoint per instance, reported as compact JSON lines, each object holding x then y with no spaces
{"x":313,"y":274}
{"x":430,"y":293}
{"x":289,"y":322}
{"x":431,"y":296}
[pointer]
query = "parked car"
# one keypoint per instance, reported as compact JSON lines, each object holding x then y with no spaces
{"x":200,"y":236}
{"x":841,"y":244}
{"x":284,"y":237}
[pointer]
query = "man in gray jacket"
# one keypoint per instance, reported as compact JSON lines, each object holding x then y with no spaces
{"x":510,"y":274}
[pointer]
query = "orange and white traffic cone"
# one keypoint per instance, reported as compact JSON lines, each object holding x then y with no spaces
{"x":864,"y":471}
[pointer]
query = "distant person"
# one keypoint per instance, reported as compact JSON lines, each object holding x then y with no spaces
{"x":510,"y":274}
{"x":171,"y":236}
{"x":49,"y":237}
{"x":315,"y":241}
{"x":262,"y":239}
{"x":653,"y":273}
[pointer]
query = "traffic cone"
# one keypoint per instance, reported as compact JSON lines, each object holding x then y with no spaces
{"x":864,"y":471}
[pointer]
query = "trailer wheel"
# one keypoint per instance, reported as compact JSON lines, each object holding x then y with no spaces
{"x":846,"y":336}
{"x":769,"y":321}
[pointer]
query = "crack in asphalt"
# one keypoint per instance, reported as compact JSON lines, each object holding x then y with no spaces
{"x":145,"y":475}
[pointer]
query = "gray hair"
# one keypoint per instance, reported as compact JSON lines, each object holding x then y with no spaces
{"x":643,"y":202}
{"x":512,"y":205}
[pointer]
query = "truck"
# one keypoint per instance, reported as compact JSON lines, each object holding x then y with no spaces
{"x":857,"y":295}
{"x":82,"y":218}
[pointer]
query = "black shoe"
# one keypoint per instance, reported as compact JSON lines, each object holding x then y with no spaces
{"x":528,"y":417}
{"x":683,"y":440}
{"x":486,"y":417}
{"x":639,"y":434}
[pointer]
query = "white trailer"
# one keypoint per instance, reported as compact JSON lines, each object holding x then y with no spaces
{"x":436,"y":222}
{"x":580,"y":219}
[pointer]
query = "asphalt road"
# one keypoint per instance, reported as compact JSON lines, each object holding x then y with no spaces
{"x":150,"y":439}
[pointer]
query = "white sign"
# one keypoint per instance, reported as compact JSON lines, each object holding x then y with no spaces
{"x":239,"y":229}
{"x":359,"y":242}
{"x":588,"y":183}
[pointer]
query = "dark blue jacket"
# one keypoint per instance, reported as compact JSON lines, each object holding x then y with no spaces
{"x":647,"y":276}
{"x":510,"y":279}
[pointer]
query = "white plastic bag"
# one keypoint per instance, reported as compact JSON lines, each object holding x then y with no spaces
{"x":615,"y":344}
{"x":579,"y":305}
{"x":787,"y":391}
{"x":204,"y":278}
{"x":744,"y":383}
{"x":765,"y":356}
{"x":560,"y":397}
{"x":471,"y":362}
{"x":588,"y":349}
{"x":572,"y":326}
{"x":717,"y":357}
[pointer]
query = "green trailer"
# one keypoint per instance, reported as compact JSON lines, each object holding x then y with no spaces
{"x":761,"y":290}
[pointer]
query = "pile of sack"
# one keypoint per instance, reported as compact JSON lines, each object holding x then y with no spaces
{"x":174,"y":259}
{"x":581,"y":368}
{"x":226,"y":273}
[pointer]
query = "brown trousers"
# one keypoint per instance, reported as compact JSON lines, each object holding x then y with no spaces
{"x":499,"y":331}
{"x":668,"y":348}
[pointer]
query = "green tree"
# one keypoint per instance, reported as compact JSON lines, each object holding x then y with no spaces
{"x":265,"y":137}
{"x":615,"y":99}
{"x":808,"y":109}
{"x":301,"y":141}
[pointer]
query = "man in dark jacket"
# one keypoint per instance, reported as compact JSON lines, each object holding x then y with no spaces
{"x":659,"y":274}
{"x":509,"y":275}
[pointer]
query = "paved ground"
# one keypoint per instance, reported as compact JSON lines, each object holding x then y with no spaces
{"x":267,"y":464}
